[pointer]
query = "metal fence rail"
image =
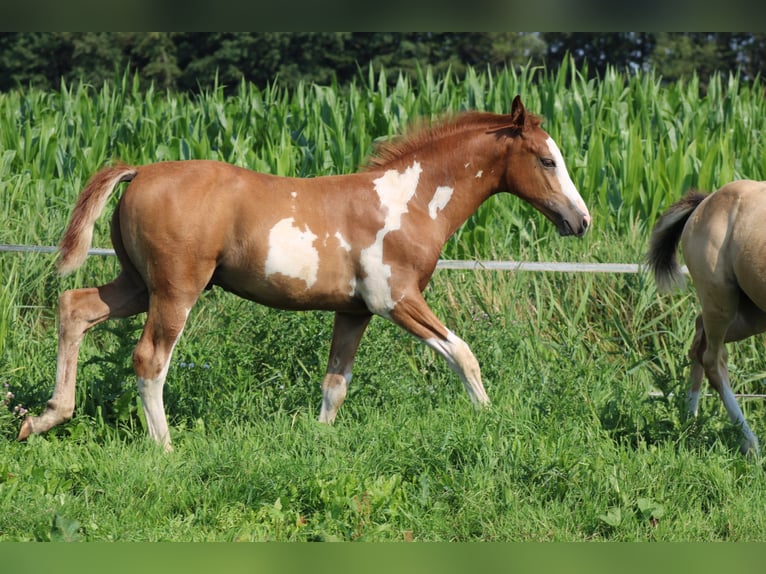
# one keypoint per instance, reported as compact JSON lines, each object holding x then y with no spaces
{"x":561,"y":267}
{"x":47,"y":249}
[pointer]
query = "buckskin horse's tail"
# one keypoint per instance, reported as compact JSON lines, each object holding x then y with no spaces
{"x":74,"y":246}
{"x":666,"y":235}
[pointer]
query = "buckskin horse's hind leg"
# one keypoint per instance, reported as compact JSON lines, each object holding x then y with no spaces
{"x":724,"y":323}
{"x":347,"y":333}
{"x":697,"y":372}
{"x":413,"y":314}
{"x":79,"y":310}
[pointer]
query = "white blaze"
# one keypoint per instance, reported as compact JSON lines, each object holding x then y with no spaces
{"x":292,"y":252}
{"x":394,"y":190}
{"x":439,"y":201}
{"x":567,"y":185}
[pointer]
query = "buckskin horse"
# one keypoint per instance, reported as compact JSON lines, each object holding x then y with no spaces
{"x":723,"y":241}
{"x":359,"y":245}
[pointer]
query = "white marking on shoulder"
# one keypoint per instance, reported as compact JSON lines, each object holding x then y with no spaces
{"x":479,"y":174}
{"x":342,"y":240}
{"x":352,"y":287}
{"x":439,"y":201}
{"x":394,"y":190}
{"x":346,"y":246}
{"x":292,"y":252}
{"x":566,"y":183}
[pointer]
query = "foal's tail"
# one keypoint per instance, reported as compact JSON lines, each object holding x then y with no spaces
{"x":666,"y":235}
{"x":74,"y":246}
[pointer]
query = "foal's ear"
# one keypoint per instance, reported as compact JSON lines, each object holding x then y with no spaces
{"x":518,"y":114}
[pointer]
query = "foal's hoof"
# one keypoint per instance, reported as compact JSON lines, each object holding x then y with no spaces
{"x":26,"y":429}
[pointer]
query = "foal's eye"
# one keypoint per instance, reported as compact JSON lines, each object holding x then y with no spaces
{"x":547,"y":162}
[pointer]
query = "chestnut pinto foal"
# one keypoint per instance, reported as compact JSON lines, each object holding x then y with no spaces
{"x":723,"y":240}
{"x":360,"y":245}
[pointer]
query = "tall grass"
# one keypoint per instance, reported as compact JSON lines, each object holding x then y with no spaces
{"x":574,"y":447}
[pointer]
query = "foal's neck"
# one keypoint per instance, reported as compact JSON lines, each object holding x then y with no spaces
{"x":472,"y":178}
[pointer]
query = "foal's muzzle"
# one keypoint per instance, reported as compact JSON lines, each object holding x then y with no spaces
{"x":574,"y":226}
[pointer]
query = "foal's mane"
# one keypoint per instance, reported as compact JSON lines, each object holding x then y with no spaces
{"x":423,"y":134}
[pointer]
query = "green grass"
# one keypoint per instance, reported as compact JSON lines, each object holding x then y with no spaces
{"x":574,"y":446}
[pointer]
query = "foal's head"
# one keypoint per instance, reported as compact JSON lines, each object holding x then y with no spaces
{"x":536,"y":173}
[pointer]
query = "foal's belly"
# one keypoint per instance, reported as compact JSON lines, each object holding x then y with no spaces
{"x":284,"y":291}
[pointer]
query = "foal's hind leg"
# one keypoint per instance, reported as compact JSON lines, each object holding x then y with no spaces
{"x":347,"y":332}
{"x":165,"y":322}
{"x":413,"y":314}
{"x":79,"y":310}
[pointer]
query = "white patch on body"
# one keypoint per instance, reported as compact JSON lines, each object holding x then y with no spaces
{"x":346,"y":246}
{"x":566,"y":183}
{"x":394,"y":190}
{"x":292,"y":252}
{"x":479,"y":174}
{"x":439,"y":201}
{"x":342,"y":240}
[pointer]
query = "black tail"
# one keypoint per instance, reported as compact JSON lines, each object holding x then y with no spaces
{"x":666,"y":235}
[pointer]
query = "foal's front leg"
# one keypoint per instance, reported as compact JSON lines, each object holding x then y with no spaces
{"x":347,"y":333}
{"x":413,"y":315}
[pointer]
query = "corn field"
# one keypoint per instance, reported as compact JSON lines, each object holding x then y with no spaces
{"x":632,"y":143}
